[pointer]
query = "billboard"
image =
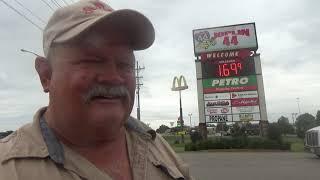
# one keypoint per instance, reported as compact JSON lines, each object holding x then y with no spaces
{"x":246,"y":117}
{"x":219,"y":118}
{"x":243,"y":83}
{"x":244,"y":94}
{"x":216,"y":96}
{"x":217,"y":110}
{"x":218,"y":103}
{"x":245,"y":102}
{"x":240,"y":36}
{"x":245,"y":109}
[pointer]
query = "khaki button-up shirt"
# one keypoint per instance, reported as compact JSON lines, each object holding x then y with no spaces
{"x":33,"y":152}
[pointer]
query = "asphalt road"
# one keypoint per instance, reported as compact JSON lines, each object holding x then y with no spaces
{"x":253,"y":165}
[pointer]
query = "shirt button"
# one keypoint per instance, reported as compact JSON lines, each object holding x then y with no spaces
{"x":43,"y":148}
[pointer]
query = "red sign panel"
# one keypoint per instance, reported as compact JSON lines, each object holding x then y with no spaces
{"x":239,"y":54}
{"x":228,"y":68}
{"x":229,"y":89}
{"x":245,"y":102}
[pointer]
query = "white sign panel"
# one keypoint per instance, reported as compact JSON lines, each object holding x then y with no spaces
{"x":219,"y":118}
{"x":245,"y":109}
{"x":217,"y":110}
{"x":244,"y":94}
{"x":218,"y":103}
{"x":216,"y":96}
{"x":240,"y":36}
{"x":246,"y":117}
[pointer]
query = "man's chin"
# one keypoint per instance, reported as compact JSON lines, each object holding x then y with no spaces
{"x":107,"y":115}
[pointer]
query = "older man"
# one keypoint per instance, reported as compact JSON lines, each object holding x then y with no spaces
{"x":86,"y":131}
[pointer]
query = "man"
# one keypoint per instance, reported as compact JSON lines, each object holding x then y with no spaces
{"x":86,"y":131}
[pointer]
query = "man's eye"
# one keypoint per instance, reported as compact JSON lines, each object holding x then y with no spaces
{"x":124,"y":65}
{"x":89,"y":61}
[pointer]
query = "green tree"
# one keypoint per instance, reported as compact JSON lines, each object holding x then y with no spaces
{"x":285,"y":126}
{"x":274,"y":131}
{"x":162,"y":129}
{"x":303,"y":123}
{"x":318,"y":118}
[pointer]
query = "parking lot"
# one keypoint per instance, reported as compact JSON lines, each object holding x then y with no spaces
{"x":253,"y":165}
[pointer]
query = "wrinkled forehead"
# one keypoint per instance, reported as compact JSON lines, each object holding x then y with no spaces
{"x":101,"y":36}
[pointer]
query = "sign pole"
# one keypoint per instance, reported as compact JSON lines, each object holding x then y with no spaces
{"x":181,"y":117}
{"x":180,"y":84}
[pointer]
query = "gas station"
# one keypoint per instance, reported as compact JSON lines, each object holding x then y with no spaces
{"x":229,"y":76}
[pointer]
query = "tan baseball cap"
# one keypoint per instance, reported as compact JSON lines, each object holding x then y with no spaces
{"x":71,"y":21}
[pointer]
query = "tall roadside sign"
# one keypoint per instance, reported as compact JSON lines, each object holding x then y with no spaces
{"x":229,"y":75}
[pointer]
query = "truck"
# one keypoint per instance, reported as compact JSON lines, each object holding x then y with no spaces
{"x":312,"y":141}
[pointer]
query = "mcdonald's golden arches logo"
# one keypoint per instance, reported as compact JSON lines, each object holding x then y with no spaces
{"x":179,"y":84}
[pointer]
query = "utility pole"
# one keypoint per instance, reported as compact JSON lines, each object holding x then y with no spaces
{"x":138,"y":84}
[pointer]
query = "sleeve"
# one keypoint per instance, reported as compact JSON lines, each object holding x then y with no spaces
{"x":171,"y":158}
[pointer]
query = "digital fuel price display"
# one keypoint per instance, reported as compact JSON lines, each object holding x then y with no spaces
{"x":228,"y":68}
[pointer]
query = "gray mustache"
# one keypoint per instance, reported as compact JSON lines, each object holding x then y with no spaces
{"x":106,"y":90}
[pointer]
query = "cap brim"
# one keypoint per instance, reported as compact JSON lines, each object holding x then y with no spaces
{"x":138,"y":27}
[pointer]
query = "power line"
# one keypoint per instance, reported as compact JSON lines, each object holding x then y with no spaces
{"x":55,"y":3}
{"x":48,"y":4}
{"x":65,"y":2}
{"x":21,"y":14}
{"x":34,"y":15}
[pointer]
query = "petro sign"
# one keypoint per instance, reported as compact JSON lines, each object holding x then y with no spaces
{"x":230,"y":84}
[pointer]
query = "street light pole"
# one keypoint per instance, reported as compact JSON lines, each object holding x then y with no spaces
{"x":190,"y":119}
{"x":181,"y":117}
{"x":298,"y":99}
{"x":26,"y":51}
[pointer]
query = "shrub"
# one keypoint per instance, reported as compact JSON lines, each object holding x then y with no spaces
{"x":176,"y":141}
{"x":195,"y":136}
{"x":285,"y":146}
{"x":270,"y":144}
{"x":190,"y":147}
{"x":274,"y":132}
{"x":255,"y":143}
{"x":238,"y":143}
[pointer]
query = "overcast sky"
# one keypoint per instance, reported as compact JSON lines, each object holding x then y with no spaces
{"x":287,"y":33}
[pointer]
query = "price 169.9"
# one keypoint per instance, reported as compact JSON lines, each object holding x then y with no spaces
{"x":229,"y":69}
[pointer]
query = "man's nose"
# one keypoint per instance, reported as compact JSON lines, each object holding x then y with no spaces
{"x":109,"y":73}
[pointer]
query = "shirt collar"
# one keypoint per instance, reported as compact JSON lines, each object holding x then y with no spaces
{"x":55,"y":148}
{"x":38,"y":140}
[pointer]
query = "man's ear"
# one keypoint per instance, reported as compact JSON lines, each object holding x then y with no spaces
{"x":43,"y":68}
